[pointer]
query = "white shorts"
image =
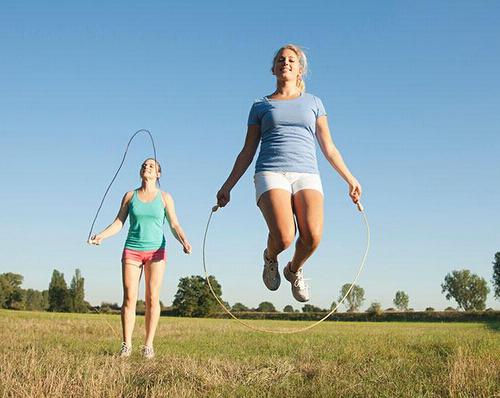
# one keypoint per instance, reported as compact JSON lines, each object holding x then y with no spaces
{"x":289,"y":181}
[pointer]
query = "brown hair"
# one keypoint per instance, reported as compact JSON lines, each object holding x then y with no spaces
{"x":158,"y":165}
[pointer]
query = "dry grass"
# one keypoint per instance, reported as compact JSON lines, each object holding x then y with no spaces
{"x":68,"y":355}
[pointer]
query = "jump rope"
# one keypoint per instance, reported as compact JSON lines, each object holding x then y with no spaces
{"x":213,"y":210}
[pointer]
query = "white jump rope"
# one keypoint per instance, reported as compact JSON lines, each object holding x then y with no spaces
{"x":265,"y":330}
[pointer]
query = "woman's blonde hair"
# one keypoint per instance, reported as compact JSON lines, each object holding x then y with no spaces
{"x":301,"y":85}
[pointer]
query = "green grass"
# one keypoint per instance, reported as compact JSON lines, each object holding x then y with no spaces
{"x":69,"y":355}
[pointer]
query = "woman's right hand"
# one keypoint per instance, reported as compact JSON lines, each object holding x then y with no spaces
{"x":223,"y":196}
{"x":354,"y":190}
{"x":95,"y":240}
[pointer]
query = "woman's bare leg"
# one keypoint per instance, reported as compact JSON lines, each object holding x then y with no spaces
{"x":131,"y":273}
{"x":308,"y":209}
{"x":153,"y":273}
{"x":276,"y":207}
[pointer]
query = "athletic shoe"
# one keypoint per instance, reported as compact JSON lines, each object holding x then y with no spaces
{"x":148,"y":352}
{"x":300,"y":289}
{"x":271,"y":275}
{"x":125,"y":351}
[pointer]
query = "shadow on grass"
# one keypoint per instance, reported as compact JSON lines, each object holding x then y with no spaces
{"x":495,"y":326}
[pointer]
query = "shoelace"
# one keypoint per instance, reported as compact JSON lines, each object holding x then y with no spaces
{"x":125,"y":348}
{"x":269,"y":263}
{"x":272,"y":266}
{"x":147,"y":351}
{"x":300,"y":282}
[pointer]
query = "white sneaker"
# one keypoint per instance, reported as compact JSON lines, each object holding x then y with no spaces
{"x":271,"y":275}
{"x":148,"y":352}
{"x":125,"y":351}
{"x":300,"y":289}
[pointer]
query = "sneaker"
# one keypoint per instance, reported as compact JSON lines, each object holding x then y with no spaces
{"x":125,"y":351}
{"x":300,"y":289}
{"x":271,"y":275}
{"x":148,"y":352}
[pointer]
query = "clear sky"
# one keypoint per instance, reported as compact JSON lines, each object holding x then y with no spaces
{"x":413,"y":98}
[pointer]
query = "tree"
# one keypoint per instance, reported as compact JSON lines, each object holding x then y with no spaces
{"x":288,"y":308}
{"x":355,"y":297}
{"x":59,"y":298}
{"x":77,"y":293}
{"x":375,"y":308}
{"x":401,"y":300}
{"x":238,"y":307}
{"x":496,"y":275}
{"x":11,"y":293}
{"x":311,"y":308}
{"x":468,"y":290}
{"x":266,"y":306}
{"x":334,"y":304}
{"x":106,"y":307}
{"x":34,"y":300}
{"x":45,"y":295}
{"x":140,"y":307}
{"x":193,"y":297}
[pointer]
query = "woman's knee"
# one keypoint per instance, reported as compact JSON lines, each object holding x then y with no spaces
{"x":311,"y":240}
{"x":283,"y":239}
{"x":129,"y":299}
{"x":152,"y":299}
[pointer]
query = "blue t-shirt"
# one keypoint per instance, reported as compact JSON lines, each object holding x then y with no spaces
{"x":288,"y":129}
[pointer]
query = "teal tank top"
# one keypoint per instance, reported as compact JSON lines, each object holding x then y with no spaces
{"x":146,"y":224}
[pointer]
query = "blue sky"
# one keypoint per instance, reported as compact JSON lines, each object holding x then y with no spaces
{"x":412,"y":93}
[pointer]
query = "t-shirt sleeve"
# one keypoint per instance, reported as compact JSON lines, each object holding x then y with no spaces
{"x":253,"y":117}
{"x":320,"y":109}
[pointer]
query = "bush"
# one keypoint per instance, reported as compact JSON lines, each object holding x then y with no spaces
{"x":375,"y":308}
{"x":239,"y":307}
{"x":429,"y":309}
{"x":420,"y":316}
{"x":311,"y":308}
{"x":109,"y":308}
{"x":266,"y":306}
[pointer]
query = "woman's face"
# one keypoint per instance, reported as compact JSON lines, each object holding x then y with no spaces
{"x":149,"y":169}
{"x":287,"y":65}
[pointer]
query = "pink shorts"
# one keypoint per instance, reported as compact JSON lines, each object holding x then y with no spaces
{"x":143,"y":257}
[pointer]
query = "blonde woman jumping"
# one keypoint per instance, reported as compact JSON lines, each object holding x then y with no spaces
{"x":287,"y":182}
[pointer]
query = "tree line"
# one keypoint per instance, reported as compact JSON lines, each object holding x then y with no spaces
{"x":58,"y":296}
{"x":469,"y":290}
{"x":194,"y":298}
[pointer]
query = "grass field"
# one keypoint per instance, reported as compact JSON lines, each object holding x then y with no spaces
{"x":69,"y":355}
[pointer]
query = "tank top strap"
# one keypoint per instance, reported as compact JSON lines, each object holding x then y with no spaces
{"x":159,"y":198}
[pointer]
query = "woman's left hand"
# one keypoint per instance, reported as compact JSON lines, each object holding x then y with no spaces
{"x":355,"y":190}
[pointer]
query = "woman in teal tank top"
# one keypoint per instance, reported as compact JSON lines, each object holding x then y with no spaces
{"x":148,"y":207}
